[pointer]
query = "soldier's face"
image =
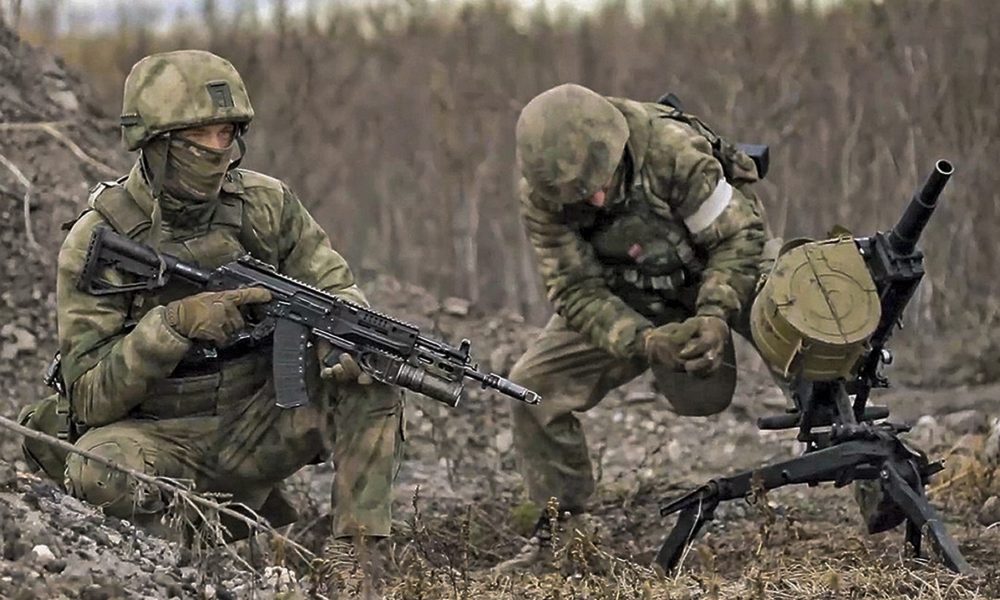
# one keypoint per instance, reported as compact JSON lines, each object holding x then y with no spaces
{"x":598,"y":198}
{"x":218,"y":136}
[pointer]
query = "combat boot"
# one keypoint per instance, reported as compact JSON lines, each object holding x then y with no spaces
{"x":877,"y":508}
{"x":352,"y":568}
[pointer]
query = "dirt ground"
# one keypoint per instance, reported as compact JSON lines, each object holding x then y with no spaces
{"x":460,"y":502}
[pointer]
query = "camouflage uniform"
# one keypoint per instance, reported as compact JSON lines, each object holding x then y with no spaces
{"x":134,"y":385}
{"x":681,"y":234}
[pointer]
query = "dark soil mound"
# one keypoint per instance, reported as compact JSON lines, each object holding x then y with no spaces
{"x":51,"y":136}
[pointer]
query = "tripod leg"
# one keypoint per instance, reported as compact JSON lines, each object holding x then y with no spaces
{"x":689,"y":523}
{"x":913,"y":537}
{"x":920,"y":515}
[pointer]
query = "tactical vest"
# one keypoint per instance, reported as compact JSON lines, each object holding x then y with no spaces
{"x":649,"y":259}
{"x":205,"y":377}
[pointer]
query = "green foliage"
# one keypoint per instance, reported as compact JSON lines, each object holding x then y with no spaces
{"x":523,"y":517}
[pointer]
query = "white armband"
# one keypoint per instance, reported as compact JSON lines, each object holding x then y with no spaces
{"x":711,"y":208}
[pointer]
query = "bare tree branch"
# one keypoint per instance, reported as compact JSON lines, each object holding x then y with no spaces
{"x":256,"y":524}
{"x":26,"y":202}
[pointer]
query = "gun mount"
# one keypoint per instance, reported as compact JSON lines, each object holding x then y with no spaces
{"x":845,"y":440}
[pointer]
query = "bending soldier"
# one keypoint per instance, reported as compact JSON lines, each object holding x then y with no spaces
{"x":650,"y":243}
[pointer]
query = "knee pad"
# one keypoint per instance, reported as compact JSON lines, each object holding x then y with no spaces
{"x":119,"y":494}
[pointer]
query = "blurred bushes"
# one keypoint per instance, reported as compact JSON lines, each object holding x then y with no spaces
{"x":395,"y":122}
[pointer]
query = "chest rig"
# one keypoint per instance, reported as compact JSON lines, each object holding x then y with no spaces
{"x":205,"y":376}
{"x":648,"y":257}
{"x":209,"y":244}
{"x":641,"y":250}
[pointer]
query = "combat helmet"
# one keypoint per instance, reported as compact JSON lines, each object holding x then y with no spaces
{"x":176,"y":90}
{"x":569,"y":142}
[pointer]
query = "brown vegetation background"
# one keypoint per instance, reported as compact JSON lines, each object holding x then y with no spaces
{"x":395,"y":122}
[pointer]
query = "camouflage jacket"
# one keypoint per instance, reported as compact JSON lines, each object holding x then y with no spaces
{"x":115,"y":349}
{"x":676,"y":235}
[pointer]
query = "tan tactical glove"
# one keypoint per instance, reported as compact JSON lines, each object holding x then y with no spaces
{"x":213,"y":316}
{"x":660,"y":348}
{"x":345,"y":371}
{"x":694,"y":345}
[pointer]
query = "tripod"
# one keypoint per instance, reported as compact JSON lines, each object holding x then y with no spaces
{"x":846,"y":450}
{"x":853,"y":442}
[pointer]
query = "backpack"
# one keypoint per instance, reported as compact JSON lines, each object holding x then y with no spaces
{"x":726,"y":152}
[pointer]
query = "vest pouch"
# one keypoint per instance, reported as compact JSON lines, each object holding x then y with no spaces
{"x":45,"y":416}
{"x":189,"y":393}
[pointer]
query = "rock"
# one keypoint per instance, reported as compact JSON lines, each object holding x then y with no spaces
{"x":989,"y":514}
{"x":66,"y":100}
{"x":209,"y":592}
{"x":458,"y":307}
{"x":56,"y":566}
{"x":991,"y":448}
{"x":965,"y":421}
{"x":279,"y":579}
{"x":8,"y":476}
{"x":505,"y":441}
{"x":42,"y":554}
{"x":928,"y":434}
{"x":22,"y":341}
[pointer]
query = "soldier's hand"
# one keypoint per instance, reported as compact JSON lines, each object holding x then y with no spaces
{"x":213,"y":316}
{"x":346,"y":370}
{"x":694,"y":345}
{"x":662,"y":344}
{"x":701,"y":355}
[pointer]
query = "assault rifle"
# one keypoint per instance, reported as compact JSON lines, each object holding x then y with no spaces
{"x":847,"y":440}
{"x":390,"y":350}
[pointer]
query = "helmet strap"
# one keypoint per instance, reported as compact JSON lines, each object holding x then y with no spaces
{"x":156,"y":175}
{"x":243,"y":151}
{"x":160,"y":170}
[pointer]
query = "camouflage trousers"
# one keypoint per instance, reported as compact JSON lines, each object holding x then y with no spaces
{"x":573,"y":375}
{"x":245,"y":445}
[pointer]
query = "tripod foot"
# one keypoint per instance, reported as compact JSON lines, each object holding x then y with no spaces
{"x":689,"y":524}
{"x":921,"y":517}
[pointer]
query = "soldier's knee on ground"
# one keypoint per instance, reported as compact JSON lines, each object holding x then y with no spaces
{"x":117,"y":493}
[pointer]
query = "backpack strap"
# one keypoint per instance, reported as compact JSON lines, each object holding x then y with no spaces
{"x":736,"y":159}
